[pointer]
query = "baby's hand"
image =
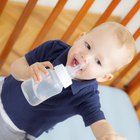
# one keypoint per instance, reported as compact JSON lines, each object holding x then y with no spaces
{"x":112,"y":137}
{"x":37,"y":68}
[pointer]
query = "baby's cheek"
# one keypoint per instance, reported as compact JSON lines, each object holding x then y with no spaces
{"x":88,"y":75}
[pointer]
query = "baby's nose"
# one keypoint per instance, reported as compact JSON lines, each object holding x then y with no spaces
{"x":83,"y":65}
{"x":86,"y":61}
{"x":87,"y":58}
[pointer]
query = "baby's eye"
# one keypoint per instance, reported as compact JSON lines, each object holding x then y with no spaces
{"x":87,"y":45}
{"x":98,"y":61}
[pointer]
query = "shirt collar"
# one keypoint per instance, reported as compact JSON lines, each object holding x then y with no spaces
{"x":77,"y":85}
{"x":62,"y":58}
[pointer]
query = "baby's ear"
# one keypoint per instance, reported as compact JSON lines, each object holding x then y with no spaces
{"x":105,"y":78}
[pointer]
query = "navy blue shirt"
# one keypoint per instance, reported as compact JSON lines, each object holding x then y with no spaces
{"x":80,"y":98}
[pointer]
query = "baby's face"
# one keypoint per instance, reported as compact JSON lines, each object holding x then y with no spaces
{"x":97,"y":53}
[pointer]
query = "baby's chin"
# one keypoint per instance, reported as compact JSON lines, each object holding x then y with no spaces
{"x":77,"y":77}
{"x":81,"y":77}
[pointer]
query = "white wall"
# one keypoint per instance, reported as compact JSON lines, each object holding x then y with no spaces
{"x":99,"y":6}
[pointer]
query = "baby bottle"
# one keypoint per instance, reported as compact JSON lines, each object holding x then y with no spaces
{"x":52,"y":84}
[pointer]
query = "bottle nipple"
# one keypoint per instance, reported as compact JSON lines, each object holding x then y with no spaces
{"x":72,"y":70}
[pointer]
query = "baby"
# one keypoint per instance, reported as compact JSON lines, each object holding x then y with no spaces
{"x":101,"y":51}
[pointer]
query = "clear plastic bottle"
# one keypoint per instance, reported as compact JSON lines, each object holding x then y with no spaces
{"x":51,"y":84}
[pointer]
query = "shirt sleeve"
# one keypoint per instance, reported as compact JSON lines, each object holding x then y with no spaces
{"x":47,"y":51}
{"x":41,"y":53}
{"x":89,"y":109}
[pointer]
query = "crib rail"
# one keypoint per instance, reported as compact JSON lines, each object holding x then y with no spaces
{"x":2,"y":5}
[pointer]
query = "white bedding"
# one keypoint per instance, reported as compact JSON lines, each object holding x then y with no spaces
{"x":118,"y":111}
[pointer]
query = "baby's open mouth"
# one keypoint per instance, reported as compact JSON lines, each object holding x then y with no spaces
{"x":74,"y":62}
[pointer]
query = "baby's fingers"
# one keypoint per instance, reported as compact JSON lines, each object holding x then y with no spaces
{"x":37,"y":69}
{"x":42,"y":67}
{"x":112,"y":137}
{"x":47,"y":64}
{"x":120,"y":138}
{"x":34,"y":74}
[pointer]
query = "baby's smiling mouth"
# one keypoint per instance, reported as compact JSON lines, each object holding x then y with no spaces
{"x":78,"y":61}
{"x":74,"y":62}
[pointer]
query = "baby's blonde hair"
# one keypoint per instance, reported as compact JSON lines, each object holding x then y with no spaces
{"x":125,"y":38}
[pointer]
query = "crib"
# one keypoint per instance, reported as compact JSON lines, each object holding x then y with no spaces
{"x":120,"y":97}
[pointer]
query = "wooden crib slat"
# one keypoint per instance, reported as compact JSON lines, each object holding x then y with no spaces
{"x":16,"y":31}
{"x":125,"y":71}
{"x":137,"y":106}
{"x":2,"y":5}
{"x":77,"y":20}
{"x":133,"y":84}
{"x":137,"y":34}
{"x":49,"y":22}
{"x":107,"y":12}
{"x":132,"y":12}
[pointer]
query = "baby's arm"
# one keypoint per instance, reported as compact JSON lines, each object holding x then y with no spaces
{"x":21,"y":71}
{"x":103,"y":131}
